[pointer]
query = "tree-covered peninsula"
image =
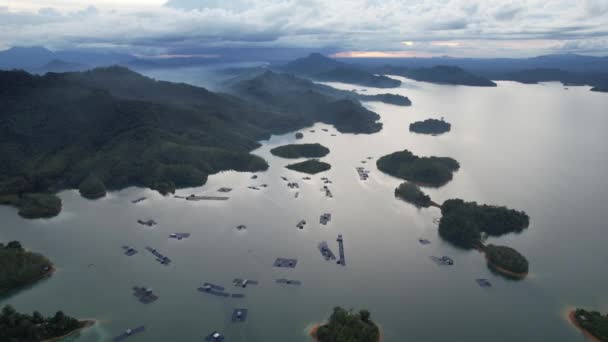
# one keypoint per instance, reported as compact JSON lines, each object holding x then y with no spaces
{"x":311,"y":166}
{"x":293,"y":151}
{"x":347,"y":326}
{"x":428,"y":171}
{"x":411,"y":193}
{"x":19,"y":267}
{"x":591,"y":323}
{"x":430,"y":126}
{"x":58,"y":130}
{"x":18,"y":327}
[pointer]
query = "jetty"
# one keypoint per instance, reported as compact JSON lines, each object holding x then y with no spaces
{"x":340,"y":240}
{"x":129,"y":251}
{"x":238,"y":282}
{"x":214,"y":337}
{"x":301,"y":224}
{"x":239,"y":315}
{"x":443,"y":261}
{"x":162,"y":259}
{"x":325,"y":218}
{"x":288,"y":282}
{"x":149,"y":223}
{"x":203,"y":198}
{"x":128,"y":333}
{"x":325,"y":251}
{"x":144,"y":295}
{"x":179,"y":236}
{"x":135,"y":201}
{"x":285,"y":263}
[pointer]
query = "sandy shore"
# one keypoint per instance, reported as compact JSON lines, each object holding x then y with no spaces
{"x":315,"y":328}
{"x":85,"y":324}
{"x":587,"y":334}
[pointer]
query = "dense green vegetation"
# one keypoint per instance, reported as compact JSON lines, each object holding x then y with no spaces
{"x":506,"y":258}
{"x":352,"y":75}
{"x":441,"y":74}
{"x":431,"y":171}
{"x":17,"y":327}
{"x":394,"y":99}
{"x":593,"y":322}
{"x":463,"y":223}
{"x":19,"y":267}
{"x":300,"y":151}
{"x":347,"y":326}
{"x":92,"y":187}
{"x":311,"y":166}
{"x":430,"y":126}
{"x":411,"y":193}
{"x":126,"y":129}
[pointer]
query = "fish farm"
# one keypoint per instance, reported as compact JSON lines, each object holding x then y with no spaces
{"x":144,"y":295}
{"x":285,"y":263}
{"x":128,"y":333}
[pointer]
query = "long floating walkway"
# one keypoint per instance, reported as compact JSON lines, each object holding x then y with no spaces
{"x":342,"y":261}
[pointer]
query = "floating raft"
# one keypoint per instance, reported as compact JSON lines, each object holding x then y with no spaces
{"x":253,"y":188}
{"x":288,"y":263}
{"x":325,"y":218}
{"x":424,"y":241}
{"x":342,"y":261}
{"x":128,"y":333}
{"x":326,"y":252}
{"x":483,"y":282}
{"x":244,"y":282}
{"x":293,"y":185}
{"x":239,"y":315}
{"x":443,"y":261}
{"x":144,"y":295}
{"x":135,"y":201}
{"x":149,"y":223}
{"x":301,"y":224}
{"x":179,"y":236}
{"x":288,"y":281}
{"x":164,"y":260}
{"x":213,"y":287}
{"x":224,"y":190}
{"x":214,"y":337}
{"x":129,"y":251}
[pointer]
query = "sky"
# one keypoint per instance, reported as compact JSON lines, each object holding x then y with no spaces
{"x":348,"y":28}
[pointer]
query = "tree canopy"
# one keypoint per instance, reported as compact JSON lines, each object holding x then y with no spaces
{"x":348,"y":326}
{"x":430,"y":171}
{"x":18,"y":327}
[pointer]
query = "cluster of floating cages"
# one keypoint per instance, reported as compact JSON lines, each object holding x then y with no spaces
{"x":326,"y":180}
{"x":149,"y":223}
{"x":288,"y":282}
{"x":325,"y":251}
{"x":219,"y":291}
{"x":128,"y":333}
{"x":137,"y":200}
{"x":162,"y":259}
{"x":293,"y":185}
{"x":443,"y":261}
{"x":363,"y":173}
{"x":325,"y":218}
{"x":328,"y":193}
{"x":306,"y":178}
{"x":285,"y":263}
{"x":129,"y":251}
{"x":179,"y":236}
{"x":144,"y":295}
{"x":342,"y":260}
{"x":483,"y":282}
{"x":301,"y":224}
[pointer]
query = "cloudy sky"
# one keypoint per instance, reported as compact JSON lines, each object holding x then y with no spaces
{"x":390,"y":28}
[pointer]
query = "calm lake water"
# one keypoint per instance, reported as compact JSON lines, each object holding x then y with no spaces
{"x":538,"y":148}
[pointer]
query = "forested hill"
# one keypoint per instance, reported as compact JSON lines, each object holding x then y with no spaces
{"x":123,"y":129}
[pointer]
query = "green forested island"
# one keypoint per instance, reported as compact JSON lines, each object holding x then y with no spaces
{"x":592,"y":322}
{"x":348,"y":326}
{"x":430,"y":126}
{"x":503,"y":258}
{"x":293,"y":151}
{"x":18,"y":327}
{"x":429,"y":171}
{"x":110,"y":128}
{"x":311,"y":166}
{"x":440,"y":74}
{"x":411,"y":193}
{"x":19,"y":268}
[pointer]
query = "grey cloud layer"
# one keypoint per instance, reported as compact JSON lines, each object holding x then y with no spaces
{"x":456,"y":27}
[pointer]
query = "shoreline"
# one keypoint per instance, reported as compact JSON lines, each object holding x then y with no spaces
{"x":85,"y":324}
{"x":313,"y":332}
{"x":34,"y":281}
{"x":585,"y":333}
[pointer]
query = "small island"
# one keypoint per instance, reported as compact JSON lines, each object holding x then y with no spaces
{"x":394,"y":99}
{"x":426,"y":171}
{"x":591,"y":323}
{"x":293,"y":151}
{"x":506,"y":260}
{"x":31,"y":206}
{"x":348,"y":326}
{"x":15,"y":326}
{"x":411,"y":193}
{"x":466,"y":224}
{"x":430,"y":126}
{"x":311,"y":166}
{"x":19,"y":268}
{"x":92,"y":188}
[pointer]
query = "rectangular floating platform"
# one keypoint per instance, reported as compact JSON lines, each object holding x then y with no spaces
{"x":213,"y":292}
{"x":253,"y":188}
{"x":214,"y":337}
{"x":483,"y":282}
{"x":342,"y":261}
{"x":288,"y":282}
{"x":443,"y":261}
{"x":424,"y":241}
{"x":325,"y":251}
{"x":144,"y":295}
{"x":129,"y":251}
{"x":128,"y":333}
{"x":237,"y":295}
{"x":214,"y":287}
{"x":135,"y":201}
{"x":244,"y":282}
{"x":288,"y":263}
{"x":163,"y":260}
{"x":149,"y":223}
{"x":239,"y":315}
{"x":179,"y":236}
